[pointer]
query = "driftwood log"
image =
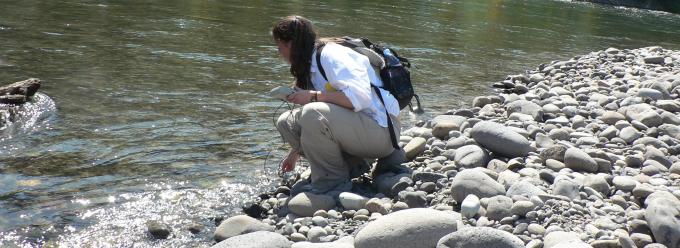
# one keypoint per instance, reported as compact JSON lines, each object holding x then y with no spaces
{"x":19,"y":92}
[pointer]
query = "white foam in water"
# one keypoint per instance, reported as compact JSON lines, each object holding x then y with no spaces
{"x":29,"y":116}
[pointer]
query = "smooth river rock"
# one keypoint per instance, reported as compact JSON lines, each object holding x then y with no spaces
{"x":306,"y":204}
{"x":471,"y":156}
{"x":240,"y":224}
{"x":416,"y":227}
{"x":475,"y":182}
{"x":578,"y":160}
{"x":663,"y":216}
{"x":479,"y":237}
{"x":500,"y":139}
{"x":260,"y":239}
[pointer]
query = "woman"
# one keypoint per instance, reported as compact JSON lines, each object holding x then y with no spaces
{"x":342,"y":120}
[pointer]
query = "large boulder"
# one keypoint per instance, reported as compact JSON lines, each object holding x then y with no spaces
{"x":663,"y":216}
{"x":471,"y":156}
{"x":306,"y":204}
{"x":237,"y":225}
{"x":480,"y":237}
{"x":416,"y":227}
{"x":500,"y":139}
{"x":578,"y":160}
{"x":260,"y":239}
{"x":475,"y":182}
{"x":525,"y":107}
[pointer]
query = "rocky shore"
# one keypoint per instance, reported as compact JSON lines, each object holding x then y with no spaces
{"x":576,"y":153}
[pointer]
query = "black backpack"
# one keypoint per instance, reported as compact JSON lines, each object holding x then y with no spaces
{"x":393,"y":72}
{"x":393,"y":69}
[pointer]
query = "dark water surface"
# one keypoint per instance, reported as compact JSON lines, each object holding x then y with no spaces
{"x":161,"y":109}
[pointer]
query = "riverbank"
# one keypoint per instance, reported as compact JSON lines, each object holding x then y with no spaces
{"x":575,"y":153}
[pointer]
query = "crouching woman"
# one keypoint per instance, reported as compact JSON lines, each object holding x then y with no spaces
{"x":342,"y":120}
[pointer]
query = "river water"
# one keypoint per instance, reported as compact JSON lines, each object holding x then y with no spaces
{"x":157,"y":110}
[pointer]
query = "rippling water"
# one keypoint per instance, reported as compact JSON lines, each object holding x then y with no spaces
{"x":159,"y":109}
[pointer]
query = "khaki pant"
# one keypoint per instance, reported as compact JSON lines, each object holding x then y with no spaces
{"x":332,"y":138}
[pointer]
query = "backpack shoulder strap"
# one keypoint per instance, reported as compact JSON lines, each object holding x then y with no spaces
{"x":390,"y":127}
{"x":318,"y":61}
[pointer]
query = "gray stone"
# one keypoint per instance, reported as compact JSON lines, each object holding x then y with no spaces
{"x":413,"y":199}
{"x":315,"y":234}
{"x":565,"y":186}
{"x":597,"y":182}
{"x":654,"y":59}
{"x":500,"y":139}
{"x":427,"y":176}
{"x":479,"y":237}
{"x":641,"y":240}
{"x":470,"y":206}
{"x":629,"y":134}
{"x":414,"y":147}
{"x":306,"y":204}
{"x":391,"y":184}
{"x":475,"y":182}
{"x":560,"y":239}
{"x":578,"y":160}
{"x":650,"y":93}
{"x":240,"y":224}
{"x":344,"y":242}
{"x":417,"y":227}
{"x":556,"y":152}
{"x":521,"y":208}
{"x":158,"y":230}
{"x":611,"y":117}
{"x":525,"y":107}
{"x":625,"y":183}
{"x":352,"y":201}
{"x":471,"y":156}
{"x":259,"y":239}
{"x":524,"y":188}
{"x":443,"y":124}
{"x":499,"y":207}
{"x":663,"y":216}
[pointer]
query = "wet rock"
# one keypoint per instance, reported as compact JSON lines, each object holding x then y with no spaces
{"x":480,"y":237}
{"x":425,"y":228}
{"x":158,"y":230}
{"x":259,"y":239}
{"x":500,"y":139}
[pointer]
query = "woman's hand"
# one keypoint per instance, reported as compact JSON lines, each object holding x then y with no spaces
{"x":301,"y":97}
{"x":289,"y":162}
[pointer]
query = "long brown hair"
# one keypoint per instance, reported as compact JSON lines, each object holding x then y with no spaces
{"x":300,"y":32}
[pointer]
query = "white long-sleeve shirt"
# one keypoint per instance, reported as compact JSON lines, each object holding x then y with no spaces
{"x":352,"y":73}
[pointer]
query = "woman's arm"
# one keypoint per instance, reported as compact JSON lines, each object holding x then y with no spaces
{"x":305,"y":96}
